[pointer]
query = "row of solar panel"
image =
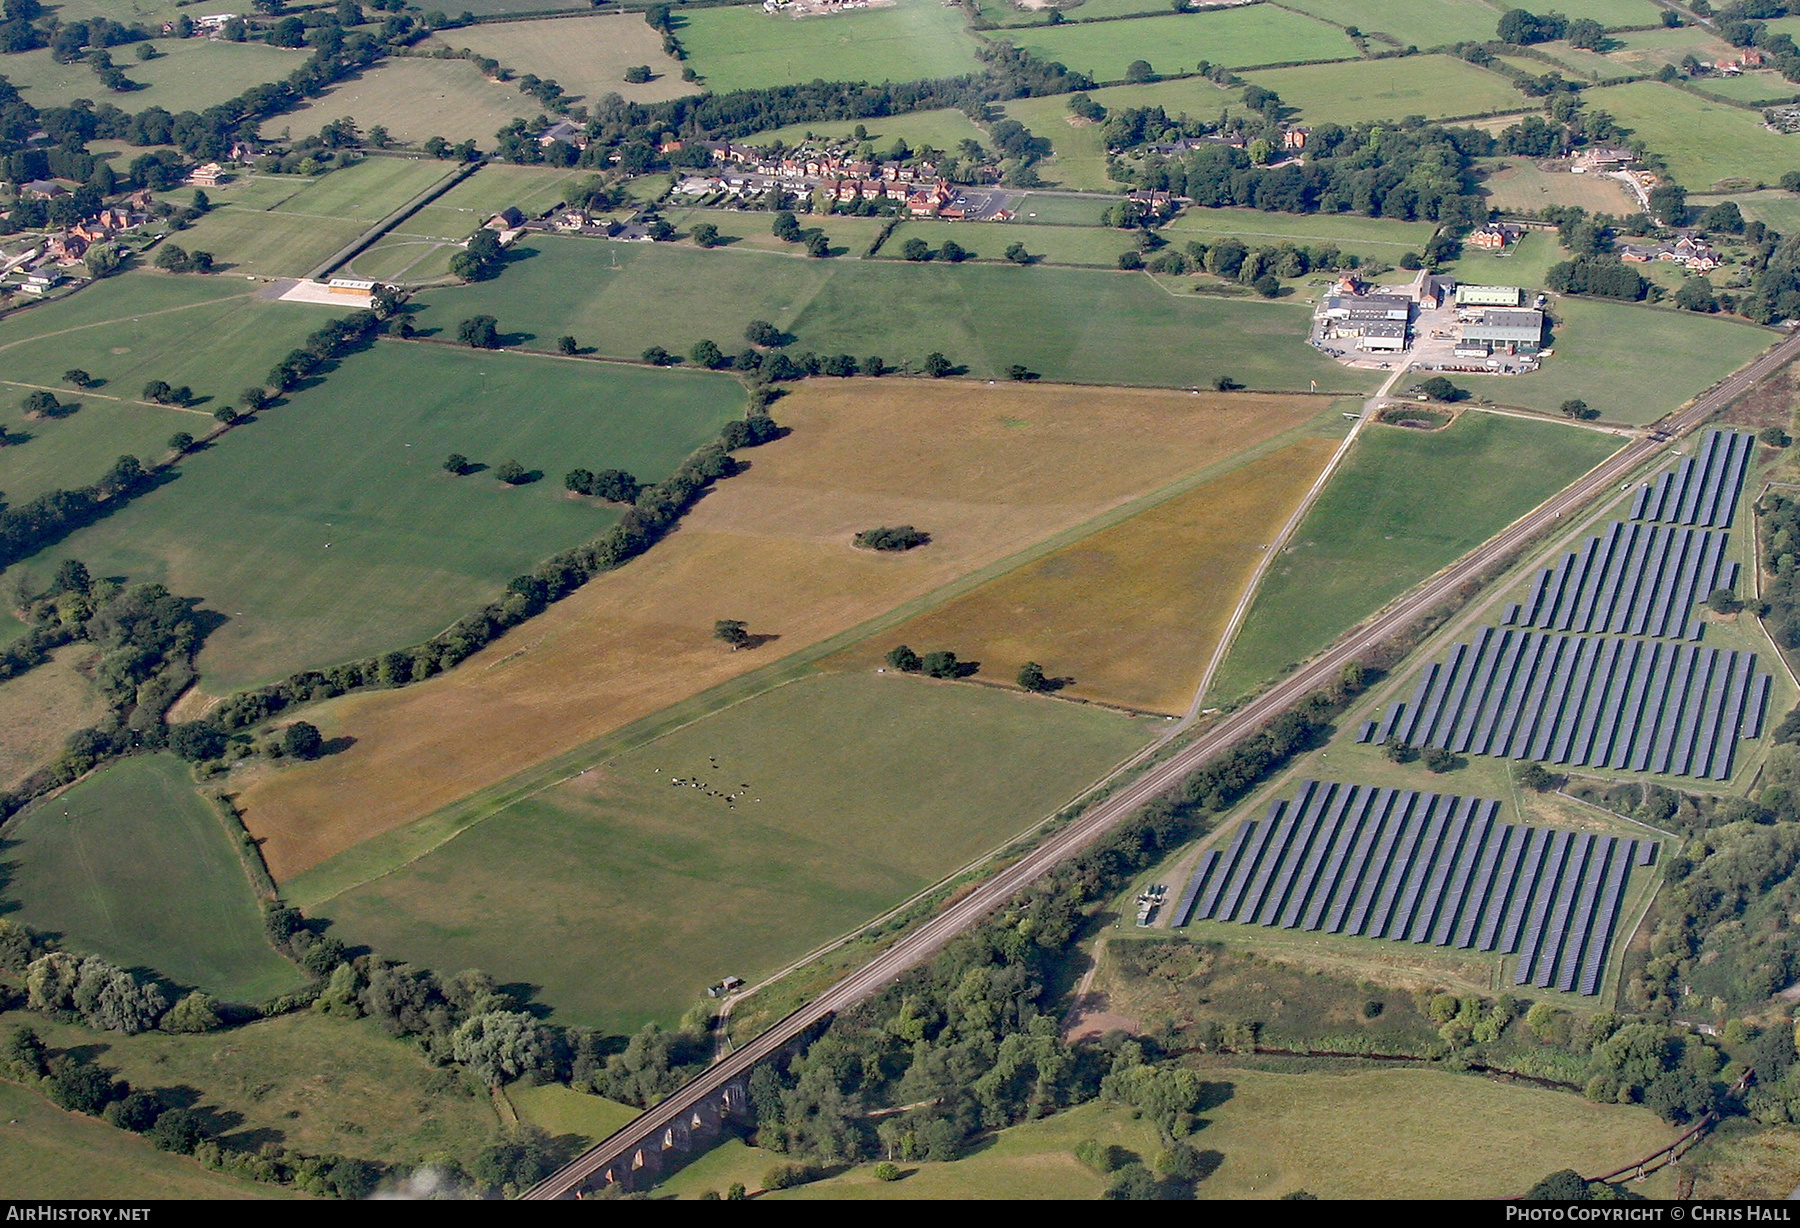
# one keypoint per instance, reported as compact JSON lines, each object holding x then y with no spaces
{"x":1645,"y":705}
{"x":1703,"y":488}
{"x":1422,"y":867}
{"x":1639,"y":579}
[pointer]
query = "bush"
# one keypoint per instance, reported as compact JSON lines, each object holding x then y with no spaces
{"x":892,"y":538}
{"x":1438,"y":759}
{"x":301,"y":740}
{"x":904,"y":659}
{"x":79,"y":1087}
{"x":887,"y":1170}
{"x":787,"y":1176}
{"x":941,"y":664}
{"x":1774,"y":436}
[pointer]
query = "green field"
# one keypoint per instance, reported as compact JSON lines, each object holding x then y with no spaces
{"x":1078,"y":152}
{"x":1775,"y":209}
{"x":1435,"y":86}
{"x":1703,"y":142}
{"x":1419,"y":23}
{"x":1043,"y":209}
{"x":64,"y":453}
{"x":1386,"y":238}
{"x":310,"y":1081}
{"x":191,"y":74}
{"x":1567,"y":59}
{"x":136,"y":866}
{"x":529,"y":189}
{"x":938,"y":129}
{"x":367,"y":191}
{"x":742,"y":47}
{"x":1614,"y":14}
{"x":269,"y":244}
{"x":1094,"y":246}
{"x":1756,"y":88}
{"x":47,"y":1153}
{"x":328,"y":529}
{"x":1065,"y":324}
{"x":748,"y":230}
{"x":561,"y":1111}
{"x":1526,"y":263}
{"x":1649,"y":50}
{"x":1175,"y":43}
{"x":1405,"y":504}
{"x":619,"y":897}
{"x":1633,"y":364}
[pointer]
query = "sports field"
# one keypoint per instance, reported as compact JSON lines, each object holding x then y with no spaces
{"x":210,"y":333}
{"x":1516,"y":185}
{"x":1703,"y":142}
{"x":1064,"y":324}
{"x":742,"y":47}
{"x":1404,"y":504}
{"x":416,"y":98}
{"x":293,"y":235}
{"x":587,"y":56}
{"x":1415,"y":1134}
{"x":1176,"y":43}
{"x":133,"y":864}
{"x":1435,"y":86}
{"x":1421,"y":23}
{"x":620,"y":894}
{"x":39,"y":709}
{"x":315,"y":1083}
{"x":1385,"y":238}
{"x":329,"y":530}
{"x":47,"y":1153}
{"x":1633,"y":364}
{"x":989,"y":472}
{"x":191,"y":74}
{"x":938,"y":129}
{"x":1132,"y":614}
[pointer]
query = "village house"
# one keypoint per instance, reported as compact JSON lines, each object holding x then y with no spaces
{"x":1157,"y":202}
{"x":566,"y":131}
{"x":1598,"y":158}
{"x":1295,"y":137}
{"x":931,"y":199}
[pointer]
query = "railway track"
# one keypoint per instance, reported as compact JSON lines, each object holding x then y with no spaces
{"x":933,"y":935}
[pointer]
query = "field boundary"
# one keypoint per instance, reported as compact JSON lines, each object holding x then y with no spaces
{"x":372,"y":859}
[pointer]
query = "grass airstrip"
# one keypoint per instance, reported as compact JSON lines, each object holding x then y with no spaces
{"x":328,"y":529}
{"x":1078,"y":325}
{"x":818,"y":805}
{"x":133,"y":864}
{"x":1380,"y":527}
{"x":988,"y":472}
{"x":1132,"y":614}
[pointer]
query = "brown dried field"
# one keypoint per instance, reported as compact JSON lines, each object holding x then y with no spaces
{"x":987,"y":471}
{"x":41,"y":708}
{"x":1518,"y":185}
{"x":1132,"y":613}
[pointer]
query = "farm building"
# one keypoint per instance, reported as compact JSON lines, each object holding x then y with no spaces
{"x":1511,"y":332}
{"x":1383,"y":336}
{"x":1367,"y":307}
{"x":1489,"y":296}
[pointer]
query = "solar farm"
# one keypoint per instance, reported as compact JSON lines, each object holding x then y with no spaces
{"x":1424,"y":868}
{"x":1599,"y":666}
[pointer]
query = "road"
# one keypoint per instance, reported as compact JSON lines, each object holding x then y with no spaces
{"x":933,"y":935}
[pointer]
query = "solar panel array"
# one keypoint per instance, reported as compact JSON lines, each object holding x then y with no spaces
{"x":1616,"y":693}
{"x":1638,"y":579}
{"x":1596,"y":701}
{"x":1423,"y":868}
{"x":1703,"y":489}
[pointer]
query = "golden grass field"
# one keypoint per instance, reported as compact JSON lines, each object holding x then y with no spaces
{"x":41,"y":708}
{"x":1133,"y":612}
{"x":988,"y":471}
{"x":415,"y":98}
{"x":587,"y":56}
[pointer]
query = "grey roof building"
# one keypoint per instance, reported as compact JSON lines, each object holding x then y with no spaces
{"x":1517,"y":329}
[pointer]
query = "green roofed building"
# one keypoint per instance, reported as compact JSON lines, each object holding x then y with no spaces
{"x":1489,"y":296}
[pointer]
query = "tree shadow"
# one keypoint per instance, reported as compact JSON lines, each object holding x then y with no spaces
{"x":1212,"y":1095}
{"x":756,"y":641}
{"x":1053,"y":685}
{"x":12,"y":439}
{"x":336,"y":746}
{"x":64,"y":409}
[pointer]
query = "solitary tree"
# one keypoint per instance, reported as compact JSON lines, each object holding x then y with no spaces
{"x":764,"y":334}
{"x":158,"y":390}
{"x":1017,"y":254}
{"x":566,"y":347}
{"x":637,"y":74}
{"x":180,"y":441}
{"x":1224,"y":383}
{"x":903,"y":659}
{"x":479,"y":332}
{"x":705,"y":234}
{"x":1438,"y":759}
{"x":874,"y":365}
{"x":952,"y":251}
{"x":41,"y":402}
{"x":1575,"y":407}
{"x":937,"y":366}
{"x":254,"y":399}
{"x":456,"y":463}
{"x":1031,"y":677}
{"x":1018,"y":371}
{"x":785,"y":227}
{"x":731,"y":631}
{"x":1774,"y":436}
{"x":916,"y":249}
{"x":511,"y":472}
{"x":940,"y":664}
{"x":817,"y":245}
{"x":1724,"y":601}
{"x":77,"y":377}
{"x":707,"y":354}
{"x":225,"y":415}
{"x":301,"y":740}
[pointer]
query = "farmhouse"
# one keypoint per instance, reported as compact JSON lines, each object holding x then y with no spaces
{"x":1494,"y":236}
{"x":566,"y":131}
{"x":1503,"y":330}
{"x":1489,"y":296}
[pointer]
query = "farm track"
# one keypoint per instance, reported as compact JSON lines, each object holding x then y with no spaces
{"x":936,"y":933}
